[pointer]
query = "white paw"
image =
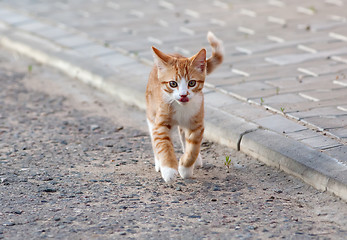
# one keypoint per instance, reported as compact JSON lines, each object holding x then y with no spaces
{"x":186,"y":172}
{"x":157,"y":164}
{"x":198,"y":162}
{"x":168,"y":174}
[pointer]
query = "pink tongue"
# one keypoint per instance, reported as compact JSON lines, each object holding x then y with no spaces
{"x":184,"y":99}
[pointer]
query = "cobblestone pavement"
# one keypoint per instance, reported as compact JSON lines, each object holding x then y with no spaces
{"x":286,"y":56}
{"x":75,"y":164}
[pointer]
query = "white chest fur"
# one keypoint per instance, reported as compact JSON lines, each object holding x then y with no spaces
{"x":184,"y":112}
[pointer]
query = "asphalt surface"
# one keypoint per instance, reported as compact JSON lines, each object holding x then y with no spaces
{"x":76,"y":164}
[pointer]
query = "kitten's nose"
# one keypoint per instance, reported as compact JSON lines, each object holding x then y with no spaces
{"x":184,"y":98}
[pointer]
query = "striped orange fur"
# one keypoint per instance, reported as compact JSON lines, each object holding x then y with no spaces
{"x":174,"y":98}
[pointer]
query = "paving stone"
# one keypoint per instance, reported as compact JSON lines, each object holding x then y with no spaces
{"x":249,"y":89}
{"x":339,"y":33}
{"x":340,"y":133}
{"x":327,"y":94}
{"x":94,"y":50}
{"x":299,"y":58}
{"x":220,"y":82}
{"x":279,"y":124}
{"x":261,"y":59}
{"x":115,"y":59}
{"x":341,"y":82}
{"x":4,"y":12}
{"x":342,"y":108}
{"x":265,"y":74}
{"x":339,"y":153}
{"x":13,"y":18}
{"x":73,"y":41}
{"x":294,"y":85}
{"x":224,"y":74}
{"x":321,"y":142}
{"x":323,"y":69}
{"x":281,"y":99}
{"x":218,"y":100}
{"x":136,"y":68}
{"x":53,"y":33}
{"x":324,"y":122}
{"x":339,"y":58}
{"x":325,"y":26}
{"x":33,"y":26}
{"x":326,"y":46}
{"x":246,"y":110}
{"x":135,"y":46}
{"x":304,"y":134}
{"x":318,"y":112}
{"x":207,"y":90}
{"x":3,"y":27}
{"x":270,"y":46}
{"x":306,"y":104}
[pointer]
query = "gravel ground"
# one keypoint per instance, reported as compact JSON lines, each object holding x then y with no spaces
{"x":75,"y":164}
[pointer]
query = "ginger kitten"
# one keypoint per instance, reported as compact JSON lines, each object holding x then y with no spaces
{"x":174,"y":98}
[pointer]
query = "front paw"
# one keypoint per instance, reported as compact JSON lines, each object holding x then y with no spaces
{"x":168,"y":174}
{"x":186,"y":172}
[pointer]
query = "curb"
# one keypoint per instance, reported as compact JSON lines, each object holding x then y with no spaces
{"x":313,"y":167}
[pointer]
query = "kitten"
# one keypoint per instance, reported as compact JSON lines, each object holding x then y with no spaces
{"x":174,"y":98}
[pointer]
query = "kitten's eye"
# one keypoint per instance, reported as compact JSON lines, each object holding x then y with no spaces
{"x":173,"y":84}
{"x":191,"y":83}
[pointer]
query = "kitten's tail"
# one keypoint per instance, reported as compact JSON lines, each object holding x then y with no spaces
{"x":217,"y":52}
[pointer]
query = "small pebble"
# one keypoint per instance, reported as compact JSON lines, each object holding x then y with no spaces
{"x":48,"y":190}
{"x":94,"y":127}
{"x":8,"y":224}
{"x":216,"y":188}
{"x":18,"y":212}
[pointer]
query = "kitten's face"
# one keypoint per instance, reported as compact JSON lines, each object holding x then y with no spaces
{"x":181,"y":78}
{"x":181,"y":84}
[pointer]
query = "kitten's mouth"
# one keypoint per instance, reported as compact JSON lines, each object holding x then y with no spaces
{"x":184,"y":99}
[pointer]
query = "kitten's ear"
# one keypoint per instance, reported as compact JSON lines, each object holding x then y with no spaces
{"x":160,"y":58}
{"x":199,"y":60}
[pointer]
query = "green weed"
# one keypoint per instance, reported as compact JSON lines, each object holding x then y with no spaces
{"x":227,"y":162}
{"x":261,"y":101}
{"x":277,"y":90}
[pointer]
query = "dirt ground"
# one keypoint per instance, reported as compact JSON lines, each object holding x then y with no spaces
{"x":76,"y":164}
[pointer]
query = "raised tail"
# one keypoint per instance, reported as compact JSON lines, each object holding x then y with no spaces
{"x":217,"y":52}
